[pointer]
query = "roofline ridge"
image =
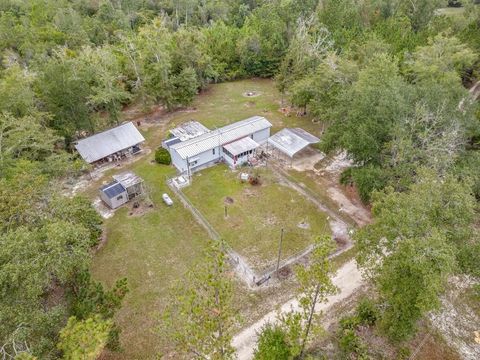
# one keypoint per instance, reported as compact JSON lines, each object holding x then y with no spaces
{"x":105,"y":131}
{"x":215,"y":132}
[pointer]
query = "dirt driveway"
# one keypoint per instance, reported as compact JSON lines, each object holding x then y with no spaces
{"x":348,"y":279}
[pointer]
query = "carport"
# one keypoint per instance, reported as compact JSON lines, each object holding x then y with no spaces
{"x":291,"y":141}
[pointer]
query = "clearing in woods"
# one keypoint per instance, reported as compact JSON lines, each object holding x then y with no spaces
{"x":155,"y":249}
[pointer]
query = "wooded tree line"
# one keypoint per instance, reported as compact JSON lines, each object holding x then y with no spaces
{"x":387,"y":79}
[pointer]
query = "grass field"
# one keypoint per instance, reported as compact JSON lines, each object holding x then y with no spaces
{"x":257,"y":214}
{"x":154,"y":249}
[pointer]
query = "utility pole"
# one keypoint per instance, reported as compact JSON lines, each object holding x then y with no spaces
{"x":279,"y":250}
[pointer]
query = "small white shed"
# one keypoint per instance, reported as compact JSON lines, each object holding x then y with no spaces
{"x":114,"y":194}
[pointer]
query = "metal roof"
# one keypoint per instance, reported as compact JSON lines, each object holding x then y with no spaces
{"x":221,"y":136}
{"x":127,"y":179}
{"x":109,"y":142}
{"x":240,"y":146}
{"x":113,"y":189}
{"x":291,"y":141}
{"x":189,"y":130}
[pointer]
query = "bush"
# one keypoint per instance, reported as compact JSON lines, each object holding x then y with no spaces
{"x":350,"y":343}
{"x":272,"y":344}
{"x":162,"y":156}
{"x":346,"y":177}
{"x":367,"y":312}
{"x":469,"y":258}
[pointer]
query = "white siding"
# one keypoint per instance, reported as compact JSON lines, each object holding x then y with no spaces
{"x":116,"y":201}
{"x":261,"y":136}
{"x":204,"y":158}
{"x":177,"y":161}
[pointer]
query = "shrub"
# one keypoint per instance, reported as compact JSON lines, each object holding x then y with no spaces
{"x":162,"y":156}
{"x":349,"y":322}
{"x":272,"y":344}
{"x":346,"y":177}
{"x":367,"y":312}
{"x":350,"y":343}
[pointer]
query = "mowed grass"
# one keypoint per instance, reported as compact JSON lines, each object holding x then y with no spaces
{"x":151,"y":251}
{"x":254,"y":220}
{"x":225,"y":103}
{"x":155,"y":249}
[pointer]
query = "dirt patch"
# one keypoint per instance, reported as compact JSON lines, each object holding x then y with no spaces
{"x":356,"y":211}
{"x":307,"y":159}
{"x":252,"y":93}
{"x":248,"y":192}
{"x":228,"y":200}
{"x":339,"y":163}
{"x":250,"y":103}
{"x":139,"y":209}
{"x":270,"y":220}
{"x":102,"y":208}
{"x":457,"y":321}
{"x":303,"y":225}
{"x":284,"y":272}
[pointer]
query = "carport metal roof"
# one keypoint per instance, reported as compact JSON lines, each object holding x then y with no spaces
{"x":243,"y":145}
{"x":291,"y":141}
{"x":101,"y":145}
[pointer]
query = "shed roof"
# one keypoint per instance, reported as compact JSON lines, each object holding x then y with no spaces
{"x":128,"y":179}
{"x":189,"y":130}
{"x":219,"y":137}
{"x":109,"y":142}
{"x":240,"y":146}
{"x":112,"y":189}
{"x":291,"y":141}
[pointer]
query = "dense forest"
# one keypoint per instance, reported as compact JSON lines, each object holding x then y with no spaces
{"x":387,"y":80}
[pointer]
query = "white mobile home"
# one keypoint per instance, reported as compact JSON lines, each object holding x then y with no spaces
{"x":233,"y":144}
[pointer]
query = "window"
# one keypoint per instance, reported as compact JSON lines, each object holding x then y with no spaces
{"x":213,"y":151}
{"x":120,"y":197}
{"x":251,"y":136}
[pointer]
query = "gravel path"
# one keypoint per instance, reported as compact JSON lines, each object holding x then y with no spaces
{"x":348,"y":279}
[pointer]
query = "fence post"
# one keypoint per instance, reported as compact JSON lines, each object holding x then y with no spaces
{"x":279,"y":251}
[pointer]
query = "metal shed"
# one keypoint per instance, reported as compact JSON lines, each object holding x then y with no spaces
{"x":114,"y":194}
{"x":292,"y":141}
{"x":110,"y":144}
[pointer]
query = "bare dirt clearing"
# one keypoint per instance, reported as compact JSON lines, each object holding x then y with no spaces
{"x":457,"y":321}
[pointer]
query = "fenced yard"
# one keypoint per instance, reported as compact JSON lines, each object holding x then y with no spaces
{"x":250,"y":217}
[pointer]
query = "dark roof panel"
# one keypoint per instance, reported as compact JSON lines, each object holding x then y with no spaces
{"x":113,"y":189}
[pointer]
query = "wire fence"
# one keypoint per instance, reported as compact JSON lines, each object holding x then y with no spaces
{"x":241,"y":267}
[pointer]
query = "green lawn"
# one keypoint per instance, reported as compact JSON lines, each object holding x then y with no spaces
{"x":225,"y":103}
{"x":257,"y":214}
{"x":154,"y":249}
{"x":150,"y":250}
